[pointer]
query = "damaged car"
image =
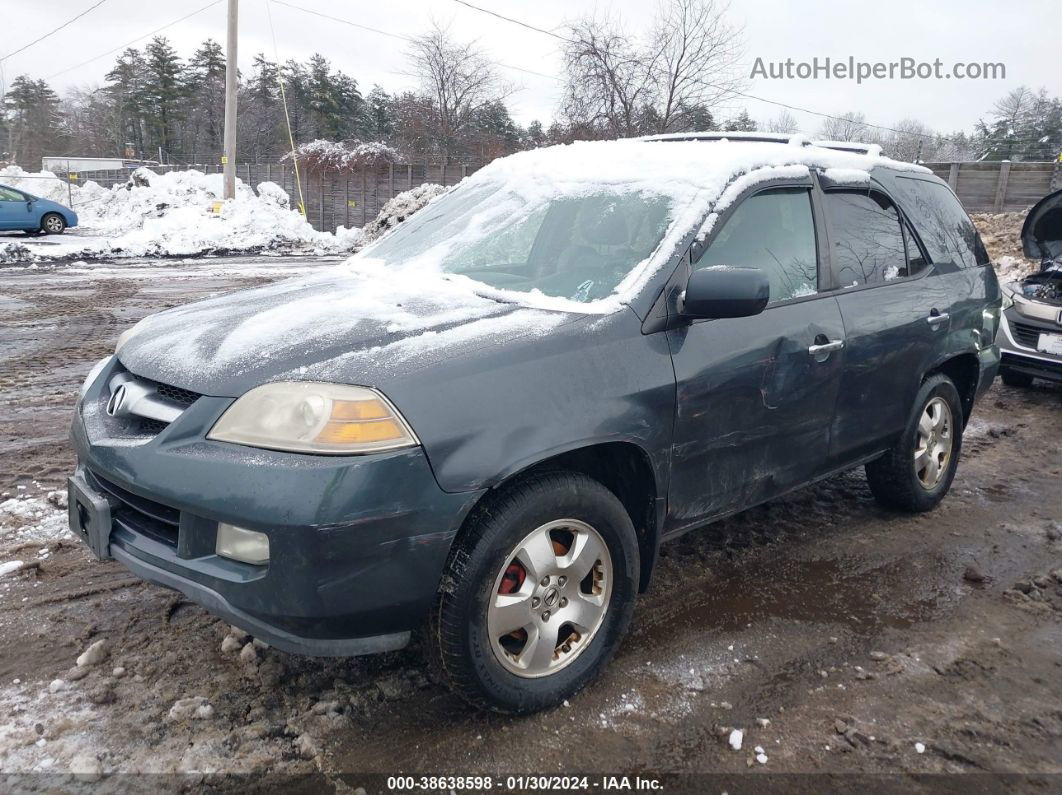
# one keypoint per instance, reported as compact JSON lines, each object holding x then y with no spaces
{"x":481,"y":427}
{"x":1030,"y":338}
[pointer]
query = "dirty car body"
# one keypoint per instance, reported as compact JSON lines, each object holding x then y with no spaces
{"x":601,"y":371}
{"x":1031,"y":331}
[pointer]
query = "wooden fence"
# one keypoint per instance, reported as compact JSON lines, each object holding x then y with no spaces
{"x":331,"y":200}
{"x":334,"y":200}
{"x":1000,"y":187}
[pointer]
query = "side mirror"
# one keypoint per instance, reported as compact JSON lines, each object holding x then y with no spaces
{"x":724,"y":291}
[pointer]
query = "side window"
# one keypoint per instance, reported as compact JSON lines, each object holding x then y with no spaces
{"x":942,"y":223}
{"x":866,"y":239}
{"x":11,"y":195}
{"x":774,"y":231}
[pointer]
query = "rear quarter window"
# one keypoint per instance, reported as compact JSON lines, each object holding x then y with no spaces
{"x":943,"y":225}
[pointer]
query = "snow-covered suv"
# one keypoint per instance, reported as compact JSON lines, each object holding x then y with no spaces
{"x":484,"y":425}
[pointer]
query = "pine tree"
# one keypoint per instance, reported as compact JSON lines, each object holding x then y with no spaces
{"x":165,"y":93}
{"x":204,"y":88}
{"x":34,"y":124}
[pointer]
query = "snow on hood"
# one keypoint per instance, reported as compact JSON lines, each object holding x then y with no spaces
{"x":320,"y":326}
{"x":362,"y":309}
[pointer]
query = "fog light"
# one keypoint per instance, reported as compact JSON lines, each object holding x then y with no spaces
{"x":241,"y":544}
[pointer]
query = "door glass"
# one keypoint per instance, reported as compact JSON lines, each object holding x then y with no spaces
{"x":866,"y":241}
{"x":943,"y":224}
{"x":773,"y":231}
{"x":9,"y":195}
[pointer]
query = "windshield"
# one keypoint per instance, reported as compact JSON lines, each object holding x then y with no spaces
{"x":577,"y":245}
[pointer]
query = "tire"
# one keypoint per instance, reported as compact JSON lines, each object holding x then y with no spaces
{"x":53,"y":224}
{"x":1012,"y":378}
{"x":32,"y":232}
{"x":484,"y":566}
{"x":896,"y":479}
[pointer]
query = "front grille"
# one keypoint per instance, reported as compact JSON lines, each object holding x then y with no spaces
{"x":185,"y":397}
{"x":150,"y":427}
{"x":151,"y":405}
{"x":149,"y":518}
{"x":1026,"y":335}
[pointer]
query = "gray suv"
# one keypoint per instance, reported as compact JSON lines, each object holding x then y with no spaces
{"x":483,"y":426}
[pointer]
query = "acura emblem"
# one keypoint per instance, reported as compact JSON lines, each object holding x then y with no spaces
{"x":115,"y":405}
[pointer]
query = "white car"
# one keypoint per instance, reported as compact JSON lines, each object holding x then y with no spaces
{"x":1030,"y":336}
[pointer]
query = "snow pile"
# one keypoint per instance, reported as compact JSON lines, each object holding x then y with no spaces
{"x":400,"y":208}
{"x":321,"y":155}
{"x":1001,"y":234}
{"x":26,"y":519}
{"x":181,"y":213}
{"x":44,"y":184}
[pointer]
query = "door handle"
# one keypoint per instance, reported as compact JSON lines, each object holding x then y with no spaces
{"x":936,"y":318}
{"x":826,"y":347}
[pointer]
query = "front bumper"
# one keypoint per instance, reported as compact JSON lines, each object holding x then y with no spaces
{"x":1017,"y":345}
{"x":357,"y":543}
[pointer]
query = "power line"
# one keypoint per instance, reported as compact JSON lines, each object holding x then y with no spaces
{"x":398,"y":36}
{"x":133,"y":41}
{"x":56,"y":30}
{"x":514,"y":21}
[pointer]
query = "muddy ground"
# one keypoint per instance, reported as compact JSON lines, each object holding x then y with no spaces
{"x":841,"y":638}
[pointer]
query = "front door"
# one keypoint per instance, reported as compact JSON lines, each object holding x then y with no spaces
{"x":756,"y":395}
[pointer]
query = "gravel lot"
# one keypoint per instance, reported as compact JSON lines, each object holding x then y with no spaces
{"x":840,"y":638}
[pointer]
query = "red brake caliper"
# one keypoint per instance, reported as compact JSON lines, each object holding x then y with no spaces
{"x":511,"y":582}
{"x":512,"y":579}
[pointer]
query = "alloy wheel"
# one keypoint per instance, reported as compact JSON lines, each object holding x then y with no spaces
{"x":933,"y":446}
{"x":550,"y":598}
{"x":53,"y":224}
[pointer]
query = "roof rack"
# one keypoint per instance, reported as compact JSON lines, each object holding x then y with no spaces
{"x":795,"y":139}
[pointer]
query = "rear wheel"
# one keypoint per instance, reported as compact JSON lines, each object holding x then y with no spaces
{"x":53,"y":224}
{"x":917,"y":472}
{"x":1012,"y":378}
{"x":538,"y":594}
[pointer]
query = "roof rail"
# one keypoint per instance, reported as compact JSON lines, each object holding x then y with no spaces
{"x":753,"y":137}
{"x":768,"y":138}
{"x":850,"y":146}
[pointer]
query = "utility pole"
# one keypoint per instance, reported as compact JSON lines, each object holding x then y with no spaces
{"x":228,"y":160}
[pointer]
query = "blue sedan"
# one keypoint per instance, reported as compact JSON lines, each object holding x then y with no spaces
{"x":32,"y":214}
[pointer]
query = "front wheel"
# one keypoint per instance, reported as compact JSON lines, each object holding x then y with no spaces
{"x":538,"y":593}
{"x":53,"y":224}
{"x":917,"y":472}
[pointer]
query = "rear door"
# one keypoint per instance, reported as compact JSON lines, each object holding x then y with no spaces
{"x":755,"y":395}
{"x":895,"y":316}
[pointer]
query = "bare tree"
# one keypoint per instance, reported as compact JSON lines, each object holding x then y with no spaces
{"x":458,"y":80}
{"x":846,"y":127}
{"x":622,"y":86}
{"x":784,"y":122}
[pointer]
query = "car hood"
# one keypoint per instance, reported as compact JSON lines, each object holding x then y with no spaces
{"x":354,"y":325}
{"x":1041,"y":234}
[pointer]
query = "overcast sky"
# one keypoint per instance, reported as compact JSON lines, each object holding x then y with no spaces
{"x":1015,"y":33}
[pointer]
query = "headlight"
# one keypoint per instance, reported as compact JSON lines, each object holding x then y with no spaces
{"x":97,"y":368}
{"x":307,"y":417}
